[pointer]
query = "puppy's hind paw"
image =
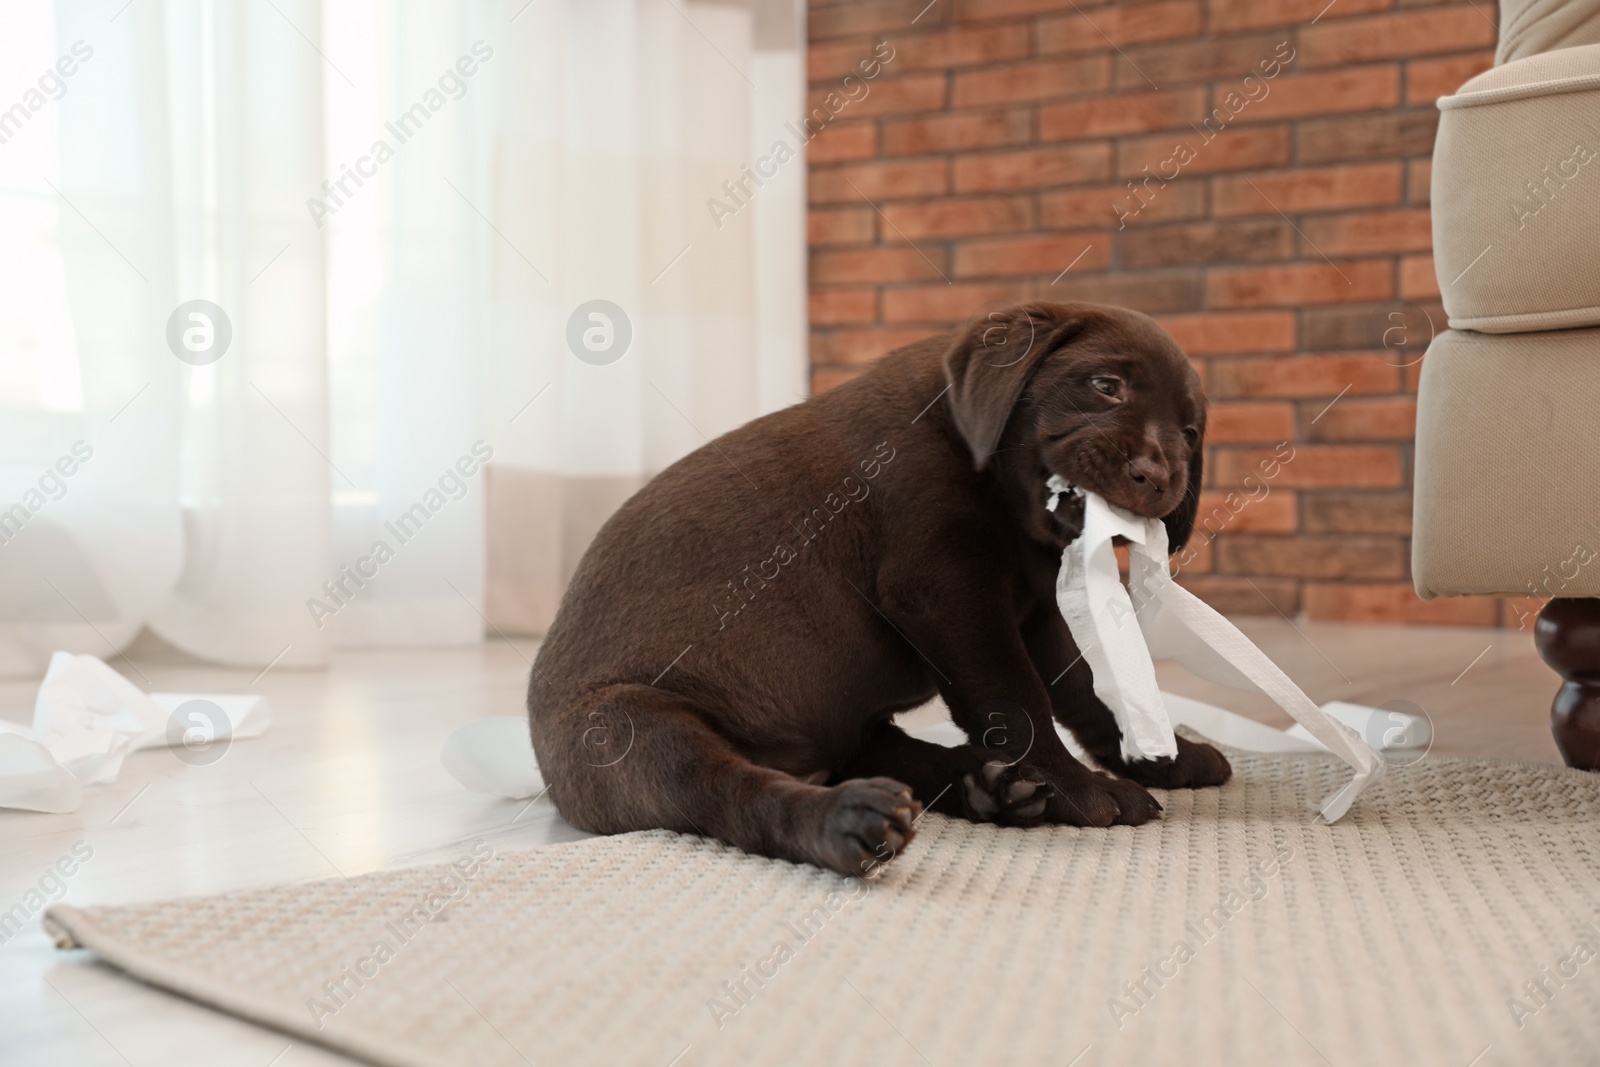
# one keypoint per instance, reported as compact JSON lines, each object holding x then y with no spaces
{"x":1011,"y":794}
{"x":867,"y":822}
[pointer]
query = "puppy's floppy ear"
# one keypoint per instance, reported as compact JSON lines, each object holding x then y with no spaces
{"x":990,"y":364}
{"x":1180,"y":521}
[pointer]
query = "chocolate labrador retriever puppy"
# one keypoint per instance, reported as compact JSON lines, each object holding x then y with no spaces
{"x":736,"y":642}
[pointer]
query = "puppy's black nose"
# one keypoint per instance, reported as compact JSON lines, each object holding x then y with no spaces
{"x":1149,"y":476}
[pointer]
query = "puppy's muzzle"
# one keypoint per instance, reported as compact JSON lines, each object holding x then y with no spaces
{"x":1148,"y":479}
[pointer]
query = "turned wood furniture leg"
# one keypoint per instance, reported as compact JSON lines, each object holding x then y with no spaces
{"x":1568,"y":638}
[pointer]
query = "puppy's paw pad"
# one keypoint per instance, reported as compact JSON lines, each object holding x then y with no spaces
{"x":867,"y":822}
{"x":979,"y":802}
{"x":1007,"y":793}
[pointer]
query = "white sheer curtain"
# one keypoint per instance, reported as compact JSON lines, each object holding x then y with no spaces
{"x":180,"y":147}
{"x":622,"y":119}
{"x":398,"y":314}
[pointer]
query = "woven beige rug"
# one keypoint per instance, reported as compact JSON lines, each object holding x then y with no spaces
{"x":1450,"y":920}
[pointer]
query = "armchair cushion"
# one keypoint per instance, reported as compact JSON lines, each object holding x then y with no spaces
{"x":1516,"y":195}
{"x":1507,"y":498}
{"x":1528,"y":27}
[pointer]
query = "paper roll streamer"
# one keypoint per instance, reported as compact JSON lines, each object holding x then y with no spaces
{"x":1120,"y":630}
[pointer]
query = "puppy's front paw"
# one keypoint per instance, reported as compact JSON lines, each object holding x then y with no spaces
{"x":1196,"y":766}
{"x":867,"y":822}
{"x":1011,"y":794}
{"x":1101,"y":800}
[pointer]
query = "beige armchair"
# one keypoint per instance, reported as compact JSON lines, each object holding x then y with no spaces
{"x":1507,"y":499}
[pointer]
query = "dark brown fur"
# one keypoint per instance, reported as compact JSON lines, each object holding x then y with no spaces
{"x":737,"y":640}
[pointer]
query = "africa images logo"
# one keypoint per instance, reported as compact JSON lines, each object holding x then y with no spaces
{"x":599,"y":332}
{"x":199,"y":332}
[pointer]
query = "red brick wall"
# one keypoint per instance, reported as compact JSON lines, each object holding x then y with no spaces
{"x":1289,"y":254}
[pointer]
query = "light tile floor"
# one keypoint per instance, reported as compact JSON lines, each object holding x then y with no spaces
{"x":348,"y":780}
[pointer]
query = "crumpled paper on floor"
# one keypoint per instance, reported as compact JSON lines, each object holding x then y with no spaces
{"x":87,"y":718}
{"x":493,"y":755}
{"x":1120,"y":630}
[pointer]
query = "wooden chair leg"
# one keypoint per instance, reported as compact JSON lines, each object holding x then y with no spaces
{"x":1568,"y":638}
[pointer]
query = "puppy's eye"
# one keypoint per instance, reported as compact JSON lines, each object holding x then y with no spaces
{"x":1108,"y":386}
{"x":1191,"y":435}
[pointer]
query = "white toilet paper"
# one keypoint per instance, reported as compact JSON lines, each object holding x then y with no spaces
{"x":86,"y":719}
{"x":30,"y":777}
{"x":1385,"y":729}
{"x":494,"y":756}
{"x":89,"y":717}
{"x":1119,"y":631}
{"x":1105,"y":625}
